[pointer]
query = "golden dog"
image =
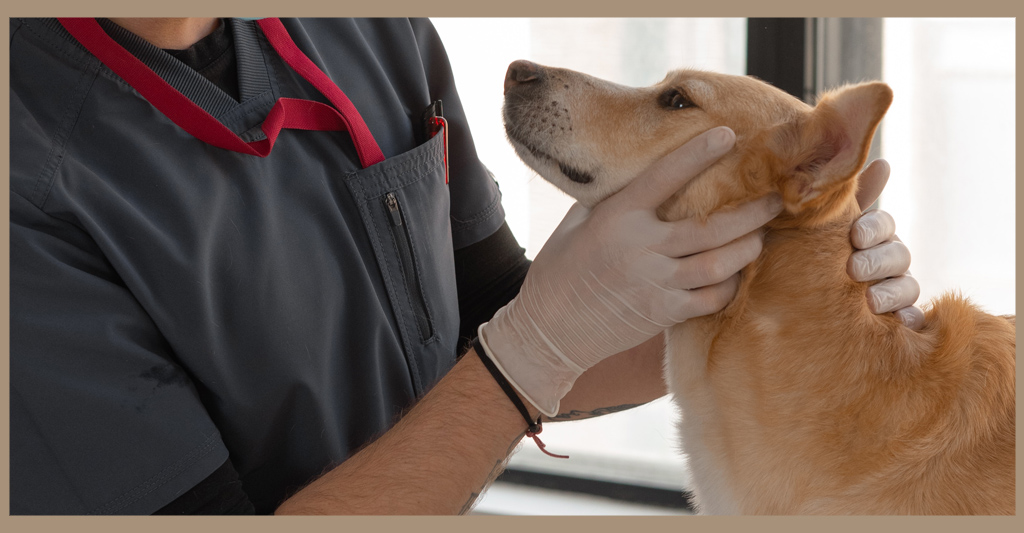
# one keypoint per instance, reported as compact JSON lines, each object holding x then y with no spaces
{"x":796,"y":399}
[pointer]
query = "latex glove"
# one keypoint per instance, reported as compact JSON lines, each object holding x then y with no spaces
{"x":613,"y":276}
{"x":881,"y":255}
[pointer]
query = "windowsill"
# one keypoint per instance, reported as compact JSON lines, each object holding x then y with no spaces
{"x":511,"y":499}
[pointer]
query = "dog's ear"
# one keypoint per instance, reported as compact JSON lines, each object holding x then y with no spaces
{"x":828,"y":146}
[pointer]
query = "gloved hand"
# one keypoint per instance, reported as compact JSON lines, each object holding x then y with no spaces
{"x":613,"y":276}
{"x":881,"y":255}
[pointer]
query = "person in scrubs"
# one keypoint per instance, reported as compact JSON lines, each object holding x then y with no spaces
{"x":257,"y":267}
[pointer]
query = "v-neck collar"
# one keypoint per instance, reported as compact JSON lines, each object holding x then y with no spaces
{"x":253,"y":76}
{"x":176,"y":104}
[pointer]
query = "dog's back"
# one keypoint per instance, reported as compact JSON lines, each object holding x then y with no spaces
{"x":799,"y":401}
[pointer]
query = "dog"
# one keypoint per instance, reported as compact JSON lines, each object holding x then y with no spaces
{"x":796,"y":399}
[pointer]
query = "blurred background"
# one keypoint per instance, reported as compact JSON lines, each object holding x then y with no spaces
{"x":949,"y":137}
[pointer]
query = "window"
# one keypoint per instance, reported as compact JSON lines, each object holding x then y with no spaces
{"x":639,"y":446}
{"x":949,"y":137}
{"x":630,"y":51}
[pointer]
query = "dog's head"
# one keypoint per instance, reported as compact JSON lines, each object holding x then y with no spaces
{"x":589,"y":137}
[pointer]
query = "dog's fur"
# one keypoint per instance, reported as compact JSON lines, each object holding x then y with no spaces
{"x":796,"y":398}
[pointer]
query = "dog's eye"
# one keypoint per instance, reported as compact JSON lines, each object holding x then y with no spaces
{"x":676,"y":99}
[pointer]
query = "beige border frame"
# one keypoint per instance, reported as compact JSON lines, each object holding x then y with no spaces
{"x":797,"y":8}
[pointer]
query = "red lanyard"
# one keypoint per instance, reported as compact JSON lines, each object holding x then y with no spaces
{"x":288,"y":113}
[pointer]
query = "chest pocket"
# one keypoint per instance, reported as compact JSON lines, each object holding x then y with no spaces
{"x":405,"y":205}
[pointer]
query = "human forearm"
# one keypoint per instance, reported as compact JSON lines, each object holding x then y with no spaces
{"x":436,"y":460}
{"x":623,"y":381}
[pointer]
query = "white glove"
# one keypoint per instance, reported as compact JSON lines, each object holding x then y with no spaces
{"x":613,"y":276}
{"x":882,"y":256}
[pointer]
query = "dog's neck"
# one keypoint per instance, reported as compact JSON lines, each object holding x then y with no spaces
{"x":803,"y":267}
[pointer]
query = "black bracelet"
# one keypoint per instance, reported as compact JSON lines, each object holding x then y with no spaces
{"x":534,"y":427}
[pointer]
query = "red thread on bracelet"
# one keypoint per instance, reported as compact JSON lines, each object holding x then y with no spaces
{"x":540,"y":444}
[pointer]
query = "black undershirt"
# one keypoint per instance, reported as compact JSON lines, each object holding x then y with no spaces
{"x":214,"y":58}
{"x":488,"y":275}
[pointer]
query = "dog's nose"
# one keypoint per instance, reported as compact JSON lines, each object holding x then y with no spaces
{"x":520,"y":72}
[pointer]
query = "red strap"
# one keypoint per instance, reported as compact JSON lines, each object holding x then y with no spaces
{"x":288,"y":113}
{"x":369,"y":152}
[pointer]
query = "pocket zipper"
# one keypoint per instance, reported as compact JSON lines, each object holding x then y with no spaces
{"x":412,"y":283}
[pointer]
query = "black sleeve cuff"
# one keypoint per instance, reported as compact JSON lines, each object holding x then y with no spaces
{"x":488,"y":275}
{"x":219,"y":494}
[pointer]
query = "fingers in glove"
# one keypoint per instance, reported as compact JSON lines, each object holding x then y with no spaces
{"x":871,"y":182}
{"x":667,"y":175}
{"x":717,"y":265}
{"x":886,"y":260}
{"x":893,"y":294}
{"x":911,"y":317}
{"x":872,"y":228}
{"x":690,"y":236}
{"x":705,"y":300}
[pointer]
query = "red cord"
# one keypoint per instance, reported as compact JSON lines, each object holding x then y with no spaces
{"x":541,"y":445}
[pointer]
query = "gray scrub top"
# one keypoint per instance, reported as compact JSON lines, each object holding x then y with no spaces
{"x":173,"y":303}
